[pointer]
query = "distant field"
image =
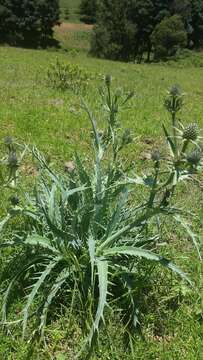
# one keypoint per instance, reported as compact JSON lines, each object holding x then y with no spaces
{"x":73,"y":6}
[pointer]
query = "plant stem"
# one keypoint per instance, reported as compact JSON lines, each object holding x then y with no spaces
{"x":143,"y":219}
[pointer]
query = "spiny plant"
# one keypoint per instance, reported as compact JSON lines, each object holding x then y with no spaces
{"x":66,"y":76}
{"x":88,"y":236}
{"x":10,"y":163}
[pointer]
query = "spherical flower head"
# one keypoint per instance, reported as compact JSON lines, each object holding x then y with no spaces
{"x":156,"y":156}
{"x":12,"y":160}
{"x":14,"y":200}
{"x":194,"y":157}
{"x":175,"y":91}
{"x":191,"y":132}
{"x":8,"y":140}
{"x":119,"y":92}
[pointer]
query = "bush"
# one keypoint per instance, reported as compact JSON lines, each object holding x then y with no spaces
{"x":168,"y":37}
{"x":87,"y":239}
{"x":65,"y":76}
{"x":28,"y":22}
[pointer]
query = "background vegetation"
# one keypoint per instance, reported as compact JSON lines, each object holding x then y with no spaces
{"x":28,"y":23}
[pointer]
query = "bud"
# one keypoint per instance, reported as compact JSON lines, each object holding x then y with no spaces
{"x":14,"y":200}
{"x":156,"y":156}
{"x":8,"y":140}
{"x":194,"y":157}
{"x":175,"y":90}
{"x":12,"y":160}
{"x":108,"y":80}
{"x":191,"y":132}
{"x":127,"y":138}
{"x":174,"y":100}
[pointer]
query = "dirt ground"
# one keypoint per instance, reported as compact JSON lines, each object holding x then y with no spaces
{"x":74,"y":27}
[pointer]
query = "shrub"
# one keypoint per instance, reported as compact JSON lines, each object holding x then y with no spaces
{"x":28,"y":22}
{"x":65,"y":76}
{"x":88,"y":236}
{"x":168,"y":37}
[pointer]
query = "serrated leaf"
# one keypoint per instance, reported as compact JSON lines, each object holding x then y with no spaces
{"x":193,"y":236}
{"x":132,"y":251}
{"x":36,"y":240}
{"x":58,"y":282}
{"x":102,"y":267}
{"x":35,"y":290}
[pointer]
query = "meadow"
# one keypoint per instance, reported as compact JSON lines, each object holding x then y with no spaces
{"x":33,"y":113}
{"x":72,"y":6}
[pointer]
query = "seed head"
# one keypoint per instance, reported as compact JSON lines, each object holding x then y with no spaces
{"x":119,"y":92}
{"x":191,"y":132}
{"x":69,"y":167}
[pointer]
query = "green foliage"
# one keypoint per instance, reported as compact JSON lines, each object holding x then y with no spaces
{"x":87,"y":237}
{"x":197,"y":22}
{"x":168,"y":37}
{"x":28,"y":22}
{"x":111,"y":38}
{"x":124,"y":28}
{"x":66,"y":76}
{"x":88,"y":9}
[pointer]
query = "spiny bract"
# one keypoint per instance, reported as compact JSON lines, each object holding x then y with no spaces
{"x":191,"y":132}
{"x":194,"y":157}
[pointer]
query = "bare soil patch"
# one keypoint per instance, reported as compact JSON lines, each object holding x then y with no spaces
{"x":74,"y":27}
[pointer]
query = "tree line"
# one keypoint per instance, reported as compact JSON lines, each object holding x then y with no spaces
{"x":128,"y":29}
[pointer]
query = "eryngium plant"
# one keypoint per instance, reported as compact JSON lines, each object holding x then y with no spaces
{"x":66,"y":76}
{"x":10,"y":163}
{"x":86,"y":234}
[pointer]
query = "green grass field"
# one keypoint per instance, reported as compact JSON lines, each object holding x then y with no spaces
{"x":35,"y":114}
{"x":73,"y":6}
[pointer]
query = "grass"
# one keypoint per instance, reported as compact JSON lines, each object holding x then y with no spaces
{"x":73,"y":7}
{"x":33,"y":113}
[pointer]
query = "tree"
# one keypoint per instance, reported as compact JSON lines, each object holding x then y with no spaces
{"x":124,"y":27}
{"x":88,"y":9}
{"x":114,"y":33}
{"x":145,"y":15}
{"x":168,"y":36}
{"x":28,"y":22}
{"x":197,"y":22}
